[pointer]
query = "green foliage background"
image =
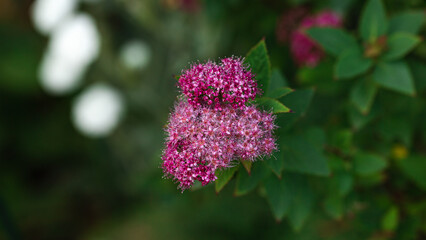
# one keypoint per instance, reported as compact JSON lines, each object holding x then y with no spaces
{"x":352,"y":159}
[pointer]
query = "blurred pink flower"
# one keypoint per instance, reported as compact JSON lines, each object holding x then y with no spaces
{"x":202,"y":139}
{"x":289,"y":21}
{"x":305,"y":51}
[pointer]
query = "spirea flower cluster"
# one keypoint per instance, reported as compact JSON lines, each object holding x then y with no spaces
{"x":203,"y":137}
{"x":292,"y":27}
{"x":229,"y":82}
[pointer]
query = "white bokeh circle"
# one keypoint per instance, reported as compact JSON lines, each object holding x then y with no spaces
{"x":98,"y":110}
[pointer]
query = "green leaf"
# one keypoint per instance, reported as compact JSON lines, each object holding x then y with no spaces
{"x":359,"y":120}
{"x":302,"y":200}
{"x":278,"y":197}
{"x":390,"y":219}
{"x":223,"y":177}
{"x":246,"y":182}
{"x":272,"y":104}
{"x":395,"y":76}
{"x":363,"y":93}
{"x":260,"y":65}
{"x":344,"y":182}
{"x":368,"y":164}
{"x":197,"y":186}
{"x":299,"y":102}
{"x":276,"y":163}
{"x":409,"y":22}
{"x":351,"y":63}
{"x":399,"y":44}
{"x":247,"y":165}
{"x":280,"y":92}
{"x":333,"y":205}
{"x":333,"y":40}
{"x":414,"y":168}
{"x":319,"y":75}
{"x":303,"y":156}
{"x":341,"y":6}
{"x":373,"y":21}
{"x":277,"y":81}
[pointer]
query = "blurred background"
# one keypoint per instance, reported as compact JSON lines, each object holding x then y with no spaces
{"x":86,"y":87}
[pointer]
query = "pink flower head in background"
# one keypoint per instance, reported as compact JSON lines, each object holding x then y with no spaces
{"x":210,"y":84}
{"x":304,"y":50}
{"x":289,"y":22}
{"x":201,"y":139}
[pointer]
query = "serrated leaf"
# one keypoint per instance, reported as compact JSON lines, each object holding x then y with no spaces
{"x":260,"y":65}
{"x":373,"y":21}
{"x":368,"y":164}
{"x":363,"y":93}
{"x":409,"y":22}
{"x":395,"y":76}
{"x":278,"y":196}
{"x":399,"y":44}
{"x":390,"y":219}
{"x":303,"y":156}
{"x":414,"y":168}
{"x":246,"y":183}
{"x":276,"y":163}
{"x":351,"y":63}
{"x":223,"y":178}
{"x":333,"y":40}
{"x":273,"y":105}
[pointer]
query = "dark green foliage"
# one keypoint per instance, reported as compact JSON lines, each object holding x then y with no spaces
{"x":351,"y":63}
{"x":373,"y":22}
{"x":260,"y":65}
{"x":351,"y":131}
{"x":333,"y":40}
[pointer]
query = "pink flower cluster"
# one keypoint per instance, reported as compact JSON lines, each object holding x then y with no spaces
{"x":203,"y":139}
{"x":304,"y":50}
{"x":229,"y":82}
{"x":212,"y":125}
